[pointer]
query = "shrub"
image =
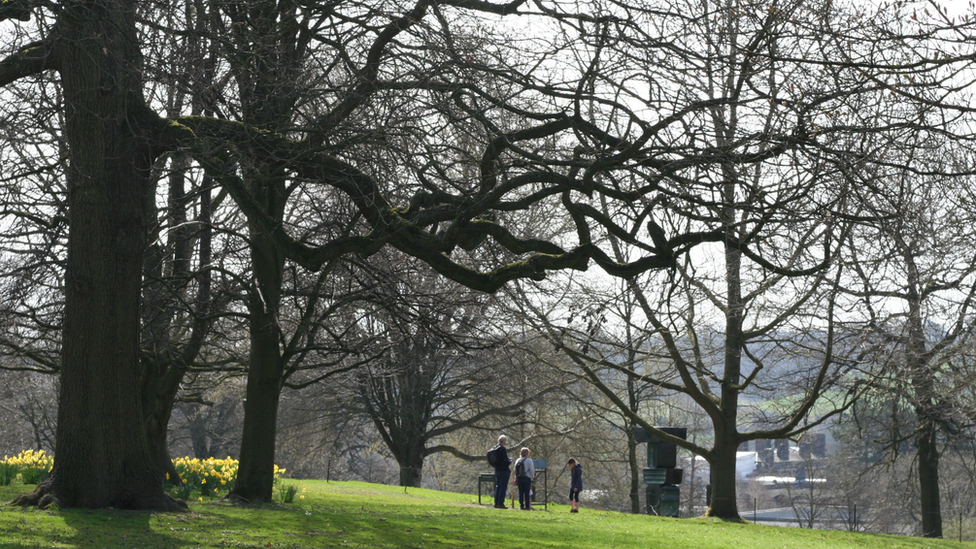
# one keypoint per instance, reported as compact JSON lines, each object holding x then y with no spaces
{"x":286,"y":492}
{"x":8,"y":472}
{"x":30,"y":466}
{"x":210,"y":477}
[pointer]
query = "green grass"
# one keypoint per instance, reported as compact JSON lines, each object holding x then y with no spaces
{"x":352,"y":514}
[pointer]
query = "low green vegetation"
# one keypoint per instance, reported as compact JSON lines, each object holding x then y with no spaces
{"x":352,"y":514}
{"x":27,"y":467}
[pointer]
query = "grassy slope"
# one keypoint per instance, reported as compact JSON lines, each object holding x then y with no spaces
{"x":368,"y":515}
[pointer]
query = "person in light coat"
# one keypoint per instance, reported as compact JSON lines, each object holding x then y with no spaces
{"x":524,"y":481}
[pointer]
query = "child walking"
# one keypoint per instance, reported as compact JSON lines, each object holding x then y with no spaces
{"x":575,"y":484}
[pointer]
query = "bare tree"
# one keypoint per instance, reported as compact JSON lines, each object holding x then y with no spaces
{"x":756,"y":312}
{"x":350,"y":99}
{"x":113,"y":137}
{"x":916,"y":279}
{"x":438,"y":366}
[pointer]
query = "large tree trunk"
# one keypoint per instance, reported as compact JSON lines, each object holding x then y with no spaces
{"x":928,"y":480}
{"x":636,"y":474}
{"x":159,"y":450}
{"x":412,"y":468}
{"x":399,"y":401}
{"x":102,"y":456}
{"x":265,"y":375}
{"x":255,"y":476}
{"x":265,"y":77}
{"x":164,"y":288}
{"x":926,"y":406}
{"x":198,"y":437}
{"x":165,"y":361}
{"x":724,"y":419}
{"x":159,"y":409}
{"x":724,"y":502}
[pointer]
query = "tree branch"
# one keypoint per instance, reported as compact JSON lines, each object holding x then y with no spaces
{"x":29,"y":60}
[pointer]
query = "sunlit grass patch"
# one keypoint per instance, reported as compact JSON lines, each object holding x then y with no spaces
{"x":354,"y":514}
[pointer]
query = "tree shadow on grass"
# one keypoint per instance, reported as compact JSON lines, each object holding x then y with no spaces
{"x":113,"y":528}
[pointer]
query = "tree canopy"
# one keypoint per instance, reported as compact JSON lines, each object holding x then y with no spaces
{"x":445,"y":129}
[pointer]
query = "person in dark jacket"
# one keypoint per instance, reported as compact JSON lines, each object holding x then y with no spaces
{"x":575,"y":484}
{"x":503,"y":470}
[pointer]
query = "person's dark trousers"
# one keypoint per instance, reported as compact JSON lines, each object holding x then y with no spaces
{"x":525,"y":489}
{"x":501,"y":484}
